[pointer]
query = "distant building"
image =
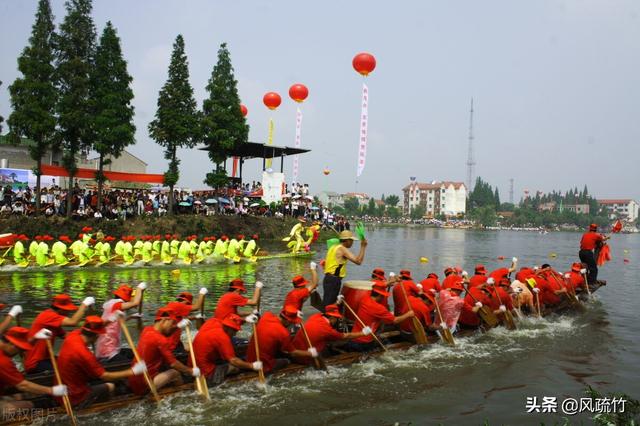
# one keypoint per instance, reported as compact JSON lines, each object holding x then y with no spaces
{"x":577,"y":208}
{"x":448,"y":198}
{"x":331,"y":199}
{"x":547,"y":207}
{"x":360,"y":196}
{"x":621,"y":208}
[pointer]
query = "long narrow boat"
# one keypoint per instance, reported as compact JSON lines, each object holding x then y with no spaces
{"x":398,"y":341}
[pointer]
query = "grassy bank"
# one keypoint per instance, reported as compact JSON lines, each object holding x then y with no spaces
{"x":268,"y":228}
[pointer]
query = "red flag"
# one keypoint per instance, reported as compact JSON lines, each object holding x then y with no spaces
{"x":604,"y":255}
{"x":617,"y":227}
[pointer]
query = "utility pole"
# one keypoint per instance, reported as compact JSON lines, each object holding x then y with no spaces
{"x":511,"y":190}
{"x":470,"y":160}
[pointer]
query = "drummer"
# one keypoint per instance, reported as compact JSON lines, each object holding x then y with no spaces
{"x":335,"y":268}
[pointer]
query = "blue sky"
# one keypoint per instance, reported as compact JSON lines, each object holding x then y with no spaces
{"x":556,"y":85}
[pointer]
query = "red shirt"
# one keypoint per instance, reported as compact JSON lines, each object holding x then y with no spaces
{"x":273,"y":338}
{"x":477,"y":280}
{"x":590,"y":240}
{"x":467,"y":316}
{"x":576,"y":280}
{"x":212,"y":345}
{"x":399,"y":303}
{"x":547,"y":288}
{"x":228,"y":304}
{"x":523,"y":274}
{"x":429,"y":284}
{"x":502,"y":297}
{"x":9,"y":374}
{"x":422,"y":312}
{"x":78,"y":366}
{"x":320,"y":332}
{"x":50,"y":320}
{"x":499,"y":274}
{"x":296,"y":297}
{"x":154,"y":350}
{"x":373,"y":314}
{"x":450,"y":279}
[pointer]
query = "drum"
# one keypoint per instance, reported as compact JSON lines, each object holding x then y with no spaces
{"x":353,"y":292}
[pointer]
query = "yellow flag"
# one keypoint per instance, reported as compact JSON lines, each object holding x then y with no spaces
{"x":270,"y":141}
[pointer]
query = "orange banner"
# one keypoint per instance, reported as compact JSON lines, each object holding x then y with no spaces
{"x":48,"y":170}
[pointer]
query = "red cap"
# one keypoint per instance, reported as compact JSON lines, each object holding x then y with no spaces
{"x":233,"y":321}
{"x":123,"y":292}
{"x":299,"y":281}
{"x":576,"y":267}
{"x":504,"y":281}
{"x":432,"y":275}
{"x":87,"y":229}
{"x":380,"y":288}
{"x":166,"y":313}
{"x":180,"y":310}
{"x":240,"y":237}
{"x":238,"y":284}
{"x":593,"y":227}
{"x":63,"y":302}
{"x":405,"y":273}
{"x":378,"y":273}
{"x":18,"y":336}
{"x":448,"y":270}
{"x":480,"y":269}
{"x":290,"y":313}
{"x":94,"y":324}
{"x":332,"y":311}
{"x":224,"y":238}
{"x":185,"y":296}
{"x":255,"y":237}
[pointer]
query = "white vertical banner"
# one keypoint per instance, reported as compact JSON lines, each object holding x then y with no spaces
{"x":297,"y":144}
{"x":364,"y":118}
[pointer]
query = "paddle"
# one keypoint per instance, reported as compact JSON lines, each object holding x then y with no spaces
{"x":257,"y":348}
{"x":508,"y":317}
{"x":140,"y":323}
{"x":485,"y":312}
{"x":344,"y":302}
{"x":317,"y":361}
{"x":418,"y":330}
{"x":65,"y":399}
{"x":136,"y":355}
{"x":583,"y":272}
{"x":573,"y":299}
{"x":201,"y":319}
{"x":447,"y":336}
{"x":201,"y":381}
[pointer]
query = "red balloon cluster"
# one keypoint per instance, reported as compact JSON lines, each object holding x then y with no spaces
{"x":364,"y":63}
{"x":272,"y":100}
{"x":244,"y":110}
{"x":298,"y":92}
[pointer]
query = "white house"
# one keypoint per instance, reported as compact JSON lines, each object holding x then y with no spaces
{"x":621,"y":208}
{"x":448,"y":198}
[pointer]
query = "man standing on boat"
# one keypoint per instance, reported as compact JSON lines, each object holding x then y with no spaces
{"x":335,"y":268}
{"x":591,"y":241}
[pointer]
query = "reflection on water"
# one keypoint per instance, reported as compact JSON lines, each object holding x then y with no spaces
{"x":484,"y":377}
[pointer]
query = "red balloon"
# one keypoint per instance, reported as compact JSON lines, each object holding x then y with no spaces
{"x":272,"y":100}
{"x":364,"y":63}
{"x":244,"y":110}
{"x":298,"y":92}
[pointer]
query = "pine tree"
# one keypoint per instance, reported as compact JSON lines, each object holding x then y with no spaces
{"x":223,"y":125}
{"x":496,"y":197}
{"x":34,"y":96}
{"x":111,"y":98}
{"x":75,"y":59}
{"x":176,"y":120}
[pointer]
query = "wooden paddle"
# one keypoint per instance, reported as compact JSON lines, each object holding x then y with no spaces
{"x":573,"y":299}
{"x":508,"y":317}
{"x":136,"y":355}
{"x":447,"y":336}
{"x":65,"y":399}
{"x":344,"y":302}
{"x":201,"y":381}
{"x":201,"y":319}
{"x":317,"y":361}
{"x":140,"y":322}
{"x":485,"y":312}
{"x":586,"y":283}
{"x":418,"y":330}
{"x":257,"y":348}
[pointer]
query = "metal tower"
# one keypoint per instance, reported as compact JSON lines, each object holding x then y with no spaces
{"x":511,"y":190}
{"x":470,"y":160}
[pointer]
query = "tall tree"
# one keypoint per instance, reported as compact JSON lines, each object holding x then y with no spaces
{"x":111,"y":98}
{"x":392,"y":200}
{"x":75,"y":59}
{"x":176,"y":121}
{"x":34,"y":96}
{"x":223,"y":125}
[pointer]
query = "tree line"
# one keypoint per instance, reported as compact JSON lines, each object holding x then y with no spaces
{"x":74,"y":96}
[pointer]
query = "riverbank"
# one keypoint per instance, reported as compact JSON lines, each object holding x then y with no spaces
{"x":267,"y":228}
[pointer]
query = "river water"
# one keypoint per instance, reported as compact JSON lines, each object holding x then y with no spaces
{"x":483,"y":378}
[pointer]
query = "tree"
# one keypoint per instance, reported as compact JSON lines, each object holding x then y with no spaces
{"x":111,"y":97}
{"x":1,"y":117}
{"x":176,"y":120}
{"x":371,"y":207}
{"x":486,"y":216}
{"x":392,"y":200}
{"x":496,"y":197}
{"x":417,"y":212}
{"x":223,"y":125}
{"x":74,"y":61}
{"x":34,"y":96}
{"x":352,"y":206}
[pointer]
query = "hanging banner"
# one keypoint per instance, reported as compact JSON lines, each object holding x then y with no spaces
{"x":362,"y":150}
{"x":270,"y":141}
{"x":297,"y":144}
